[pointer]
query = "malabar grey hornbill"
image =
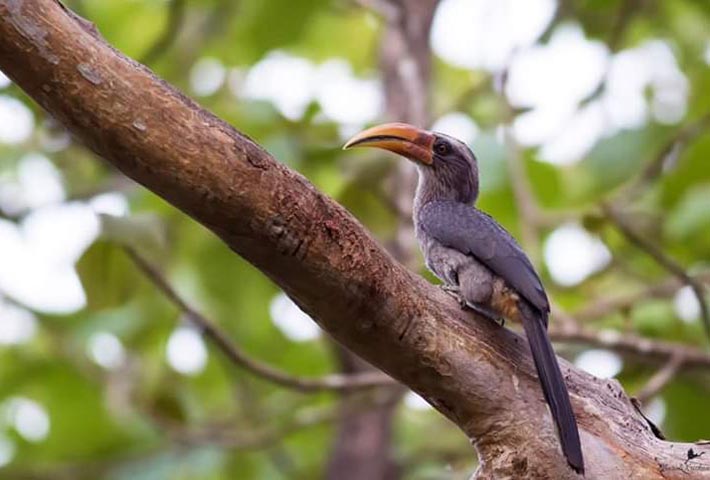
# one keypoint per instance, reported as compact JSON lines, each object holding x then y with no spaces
{"x":475,"y":257}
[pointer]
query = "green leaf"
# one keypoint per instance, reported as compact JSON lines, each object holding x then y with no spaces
{"x":690,"y":216}
{"x":491,"y":162}
{"x":107,"y":275}
{"x":144,"y":232}
{"x":613,"y":161}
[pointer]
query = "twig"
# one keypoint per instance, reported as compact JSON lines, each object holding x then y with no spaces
{"x":660,"y":379}
{"x":662,"y":259}
{"x":655,"y":167}
{"x":226,"y":436}
{"x":631,"y":344}
{"x":563,"y":12}
{"x":334,"y":382}
{"x":524,"y":197}
{"x":176,"y":16}
{"x":608,"y":305}
{"x":626,"y":12}
{"x":382,"y":7}
{"x":78,"y":7}
{"x":527,"y":205}
{"x":220,"y":434}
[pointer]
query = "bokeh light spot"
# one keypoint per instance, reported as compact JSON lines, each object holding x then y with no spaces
{"x":600,"y":363}
{"x":17,"y":325}
{"x":291,"y":320}
{"x":29,"y":418}
{"x":207,"y":76}
{"x":415,"y":401}
{"x":686,"y":305}
{"x":16,"y":120}
{"x":106,"y":350}
{"x":572,"y":254}
{"x":186,"y":352}
{"x":458,"y":125}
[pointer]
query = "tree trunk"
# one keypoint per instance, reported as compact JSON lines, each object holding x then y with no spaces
{"x":478,"y":375}
{"x":362,"y":448}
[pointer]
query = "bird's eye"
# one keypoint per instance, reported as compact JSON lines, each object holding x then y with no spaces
{"x":442,"y":148}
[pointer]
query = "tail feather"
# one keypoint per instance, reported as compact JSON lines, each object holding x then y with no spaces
{"x":553,"y":384}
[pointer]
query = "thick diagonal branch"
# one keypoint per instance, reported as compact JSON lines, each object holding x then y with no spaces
{"x":478,"y":375}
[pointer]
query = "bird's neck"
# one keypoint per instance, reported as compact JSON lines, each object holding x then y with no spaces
{"x":440,"y":187}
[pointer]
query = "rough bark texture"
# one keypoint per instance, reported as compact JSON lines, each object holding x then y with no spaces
{"x":478,"y":375}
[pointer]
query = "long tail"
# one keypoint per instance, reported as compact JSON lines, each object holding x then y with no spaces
{"x":553,"y":385}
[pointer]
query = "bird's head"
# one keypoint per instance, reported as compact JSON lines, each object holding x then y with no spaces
{"x":447,"y":167}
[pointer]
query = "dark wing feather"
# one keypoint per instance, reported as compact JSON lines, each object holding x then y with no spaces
{"x":471,"y":231}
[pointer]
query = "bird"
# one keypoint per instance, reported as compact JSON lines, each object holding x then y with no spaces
{"x":477,"y":260}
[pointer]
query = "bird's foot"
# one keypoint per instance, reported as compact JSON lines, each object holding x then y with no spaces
{"x":488,"y":313}
{"x":455,"y":292}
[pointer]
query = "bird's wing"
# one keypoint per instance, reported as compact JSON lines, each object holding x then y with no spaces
{"x":472,"y":232}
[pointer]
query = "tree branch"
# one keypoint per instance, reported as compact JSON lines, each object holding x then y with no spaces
{"x":176,"y":16}
{"x":655,"y":167}
{"x":631,"y":344}
{"x":478,"y":375}
{"x":603,"y":306}
{"x":228,"y":435}
{"x":525,"y":200}
{"x":236,"y":355}
{"x":660,"y":379}
{"x":662,"y":259}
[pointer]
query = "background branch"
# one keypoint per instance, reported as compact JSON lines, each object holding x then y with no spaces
{"x":599,"y":308}
{"x":641,"y":347}
{"x":660,"y":379}
{"x":175,"y":19}
{"x":339,"y":383}
{"x":662,"y":259}
{"x":655,"y":167}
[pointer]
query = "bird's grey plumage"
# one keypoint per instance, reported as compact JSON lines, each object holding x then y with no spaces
{"x":476,"y":257}
{"x":472,"y":232}
{"x":469,"y":250}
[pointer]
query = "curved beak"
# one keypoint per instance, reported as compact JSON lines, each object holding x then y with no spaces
{"x":410,"y":142}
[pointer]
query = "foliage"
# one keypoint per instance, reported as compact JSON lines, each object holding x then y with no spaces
{"x":142,"y":419}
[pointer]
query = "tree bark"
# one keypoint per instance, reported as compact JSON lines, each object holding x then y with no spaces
{"x":362,"y":447}
{"x":478,"y":375}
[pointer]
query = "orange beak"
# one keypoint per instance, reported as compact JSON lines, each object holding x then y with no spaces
{"x":410,"y":142}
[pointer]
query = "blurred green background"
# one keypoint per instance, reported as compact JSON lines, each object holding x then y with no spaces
{"x":565,"y":104}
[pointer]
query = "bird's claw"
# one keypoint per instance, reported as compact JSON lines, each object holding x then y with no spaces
{"x":485,"y":312}
{"x":450,"y":288}
{"x":455,"y":292}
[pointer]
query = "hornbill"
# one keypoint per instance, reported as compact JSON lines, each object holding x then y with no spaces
{"x":478,"y":260}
